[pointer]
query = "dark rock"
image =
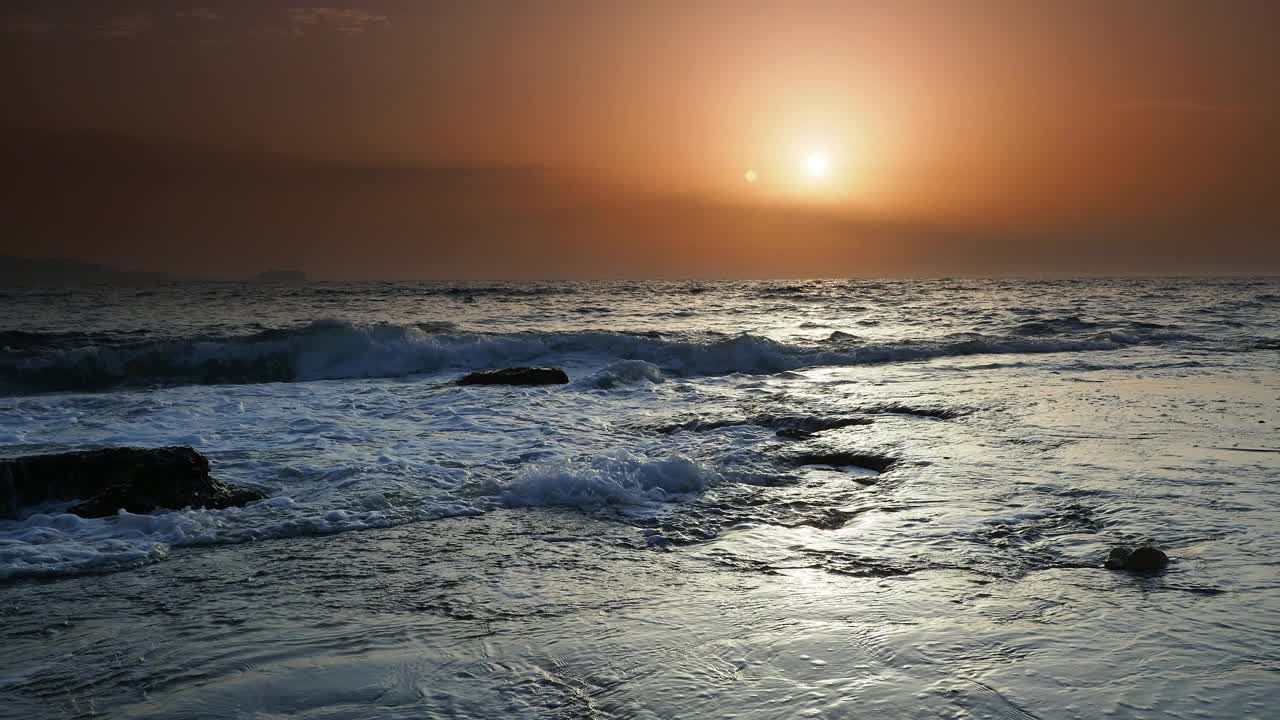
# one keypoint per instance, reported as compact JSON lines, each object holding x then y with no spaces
{"x":879,"y":463}
{"x":1143,"y":559}
{"x":794,"y":434}
{"x":140,"y":480}
{"x":809,"y":423}
{"x":517,"y":376}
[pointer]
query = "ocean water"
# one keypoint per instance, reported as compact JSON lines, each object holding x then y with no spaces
{"x":823,"y":499}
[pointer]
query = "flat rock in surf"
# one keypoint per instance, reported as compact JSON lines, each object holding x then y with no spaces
{"x":139,"y":480}
{"x":1142,"y":559}
{"x":517,"y":376}
{"x":879,"y":463}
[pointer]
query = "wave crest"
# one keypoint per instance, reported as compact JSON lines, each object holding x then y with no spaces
{"x":620,"y":479}
{"x":332,"y":350}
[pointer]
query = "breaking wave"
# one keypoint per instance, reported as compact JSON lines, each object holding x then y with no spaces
{"x":56,"y":543}
{"x":332,"y":349}
{"x":614,"y":480}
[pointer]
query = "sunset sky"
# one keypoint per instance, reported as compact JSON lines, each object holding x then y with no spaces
{"x":732,"y":138}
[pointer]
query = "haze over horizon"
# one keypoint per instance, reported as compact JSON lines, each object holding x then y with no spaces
{"x":400,"y":140}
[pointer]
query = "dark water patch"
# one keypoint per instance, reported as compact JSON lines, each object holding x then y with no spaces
{"x":697,"y":425}
{"x":937,"y":413}
{"x":858,"y":566}
{"x":23,"y":341}
{"x":1080,"y":492}
{"x":1244,"y":449}
{"x":149,"y":366}
{"x":1055,"y":326}
{"x":514,"y":291}
{"x":436,"y":326}
{"x":1199,"y":590}
{"x":1025,"y":542}
{"x":760,"y":478}
{"x":784,"y":291}
{"x":737,"y":563}
{"x":1147,"y":325}
{"x":1030,"y":527}
{"x":786,"y":425}
{"x":831,"y":518}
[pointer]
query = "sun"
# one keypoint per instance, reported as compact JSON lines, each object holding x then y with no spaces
{"x":816,"y":165}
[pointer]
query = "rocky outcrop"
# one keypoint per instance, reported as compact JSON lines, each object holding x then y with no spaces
{"x":1142,"y":559}
{"x":517,"y":376}
{"x":139,"y":480}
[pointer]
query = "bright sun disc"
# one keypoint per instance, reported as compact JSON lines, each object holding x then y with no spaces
{"x":816,"y":165}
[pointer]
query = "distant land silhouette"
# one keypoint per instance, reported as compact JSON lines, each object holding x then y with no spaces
{"x":281,"y":276}
{"x":18,"y":271}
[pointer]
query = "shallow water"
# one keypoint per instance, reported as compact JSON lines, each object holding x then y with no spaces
{"x":642,"y":542}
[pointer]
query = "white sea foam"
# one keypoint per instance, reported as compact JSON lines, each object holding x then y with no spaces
{"x":59,"y":543}
{"x":44,"y":544}
{"x":620,"y":479}
{"x":624,"y":372}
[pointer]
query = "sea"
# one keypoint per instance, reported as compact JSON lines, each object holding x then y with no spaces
{"x":767,"y":499}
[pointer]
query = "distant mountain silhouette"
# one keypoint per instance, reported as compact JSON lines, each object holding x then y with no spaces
{"x":18,"y":271}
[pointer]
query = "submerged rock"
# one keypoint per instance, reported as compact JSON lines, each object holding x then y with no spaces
{"x":794,"y":434}
{"x":1142,"y":559}
{"x":139,"y":480}
{"x":517,"y":376}
{"x":879,"y":463}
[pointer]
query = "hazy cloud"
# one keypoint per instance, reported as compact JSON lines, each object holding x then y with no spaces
{"x":24,"y":22}
{"x":127,"y":26}
{"x":203,"y":14}
{"x":348,"y":21}
{"x":1181,"y":106}
{"x":292,"y":23}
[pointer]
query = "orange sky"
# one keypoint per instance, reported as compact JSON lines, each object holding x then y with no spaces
{"x":1021,"y":121}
